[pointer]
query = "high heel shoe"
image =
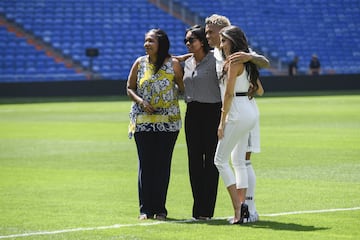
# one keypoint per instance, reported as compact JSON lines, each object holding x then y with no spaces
{"x":244,"y":213}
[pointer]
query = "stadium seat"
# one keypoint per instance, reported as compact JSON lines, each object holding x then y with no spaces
{"x":279,"y":30}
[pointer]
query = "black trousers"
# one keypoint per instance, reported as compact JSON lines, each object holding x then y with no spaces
{"x":201,"y":124}
{"x":155,"y":151}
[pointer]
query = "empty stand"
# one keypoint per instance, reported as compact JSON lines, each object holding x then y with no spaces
{"x":279,"y":29}
{"x":115,"y":27}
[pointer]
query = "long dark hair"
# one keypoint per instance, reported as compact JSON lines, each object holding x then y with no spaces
{"x":240,"y":44}
{"x":164,"y":46}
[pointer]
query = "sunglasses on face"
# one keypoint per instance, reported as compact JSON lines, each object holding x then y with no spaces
{"x":190,"y":40}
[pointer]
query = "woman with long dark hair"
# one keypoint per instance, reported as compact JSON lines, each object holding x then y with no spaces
{"x":153,"y":84}
{"x":238,"y":117}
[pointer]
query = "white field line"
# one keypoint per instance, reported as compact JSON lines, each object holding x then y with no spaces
{"x":78,"y":230}
{"x":310,"y":211}
{"x":30,"y":234}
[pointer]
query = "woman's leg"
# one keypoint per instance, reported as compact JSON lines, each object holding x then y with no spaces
{"x":155,"y":153}
{"x":193,"y":121}
{"x":165,"y":147}
{"x":239,"y":164}
{"x":145,"y":172}
{"x":225,"y":146}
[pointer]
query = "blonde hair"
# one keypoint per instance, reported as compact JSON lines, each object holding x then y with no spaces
{"x":218,"y":20}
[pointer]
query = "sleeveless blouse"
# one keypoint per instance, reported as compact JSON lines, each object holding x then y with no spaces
{"x":239,"y":104}
{"x":161,"y":92}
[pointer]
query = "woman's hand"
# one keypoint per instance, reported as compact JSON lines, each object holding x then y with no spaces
{"x":221,"y":131}
{"x":147,"y":107}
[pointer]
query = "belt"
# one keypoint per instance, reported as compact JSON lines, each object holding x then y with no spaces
{"x":241,"y":94}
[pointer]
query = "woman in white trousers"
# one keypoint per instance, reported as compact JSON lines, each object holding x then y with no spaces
{"x":237,"y":119}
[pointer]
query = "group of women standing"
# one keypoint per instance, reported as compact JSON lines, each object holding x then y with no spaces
{"x":218,"y":119}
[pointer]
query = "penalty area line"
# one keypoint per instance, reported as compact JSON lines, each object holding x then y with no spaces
{"x":115,"y":226}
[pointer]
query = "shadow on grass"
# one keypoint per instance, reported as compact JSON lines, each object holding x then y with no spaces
{"x":259,"y":225}
{"x":284,"y":226}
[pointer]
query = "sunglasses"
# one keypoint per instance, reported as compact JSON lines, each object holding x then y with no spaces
{"x":190,"y":40}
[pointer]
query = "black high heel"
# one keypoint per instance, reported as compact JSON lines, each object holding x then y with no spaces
{"x":244,"y":213}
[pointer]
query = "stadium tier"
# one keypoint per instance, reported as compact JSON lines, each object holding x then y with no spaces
{"x":45,"y":40}
{"x":282,"y":29}
{"x":115,"y":27}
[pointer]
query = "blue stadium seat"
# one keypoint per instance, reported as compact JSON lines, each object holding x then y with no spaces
{"x":302,"y":27}
{"x":117,"y":27}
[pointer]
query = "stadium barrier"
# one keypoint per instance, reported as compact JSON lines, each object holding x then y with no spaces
{"x":118,"y":87}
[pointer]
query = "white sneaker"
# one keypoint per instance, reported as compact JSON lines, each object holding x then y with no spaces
{"x":254,"y":217}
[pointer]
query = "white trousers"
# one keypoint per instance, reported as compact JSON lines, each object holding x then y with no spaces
{"x":235,"y":140}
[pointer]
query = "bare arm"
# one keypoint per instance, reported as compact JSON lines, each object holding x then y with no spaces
{"x":131,"y":83}
{"x":259,"y":60}
{"x":179,"y":73}
{"x":131,"y":87}
{"x":182,"y":58}
{"x":260,"y":90}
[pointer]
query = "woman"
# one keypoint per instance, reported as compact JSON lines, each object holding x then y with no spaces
{"x":202,"y":96}
{"x":252,"y":147}
{"x":238,"y":117}
{"x":155,"y":121}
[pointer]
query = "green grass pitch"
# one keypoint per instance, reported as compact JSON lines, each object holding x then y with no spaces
{"x":68,"y":171}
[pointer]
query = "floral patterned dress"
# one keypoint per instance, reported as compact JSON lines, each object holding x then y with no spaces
{"x":161,"y":92}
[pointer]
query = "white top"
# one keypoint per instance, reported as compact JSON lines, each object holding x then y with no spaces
{"x":242,"y":84}
{"x":239,"y":103}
